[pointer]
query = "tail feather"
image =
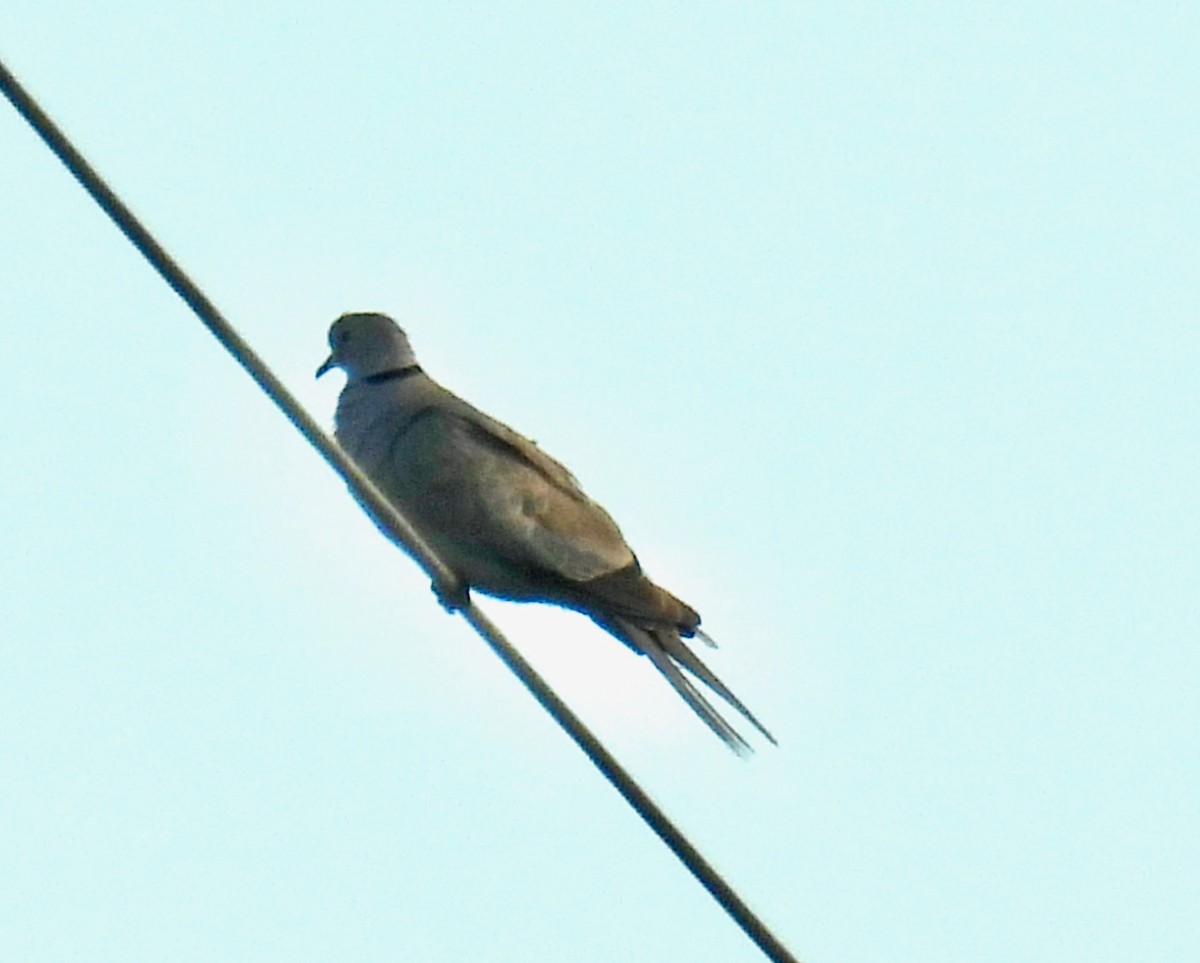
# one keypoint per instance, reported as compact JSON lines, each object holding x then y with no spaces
{"x":678,"y":650}
{"x":694,"y":698}
{"x":665,"y":649}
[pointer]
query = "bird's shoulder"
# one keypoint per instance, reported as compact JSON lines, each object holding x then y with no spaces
{"x":439,"y":415}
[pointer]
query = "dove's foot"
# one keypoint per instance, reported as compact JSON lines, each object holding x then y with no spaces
{"x":452,"y":595}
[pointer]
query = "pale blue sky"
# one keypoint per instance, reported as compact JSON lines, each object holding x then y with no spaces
{"x":874,"y":326}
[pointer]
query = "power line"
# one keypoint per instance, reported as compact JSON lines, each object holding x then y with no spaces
{"x":445,"y":581}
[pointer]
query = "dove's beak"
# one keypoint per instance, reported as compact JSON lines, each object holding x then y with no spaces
{"x":330,"y":363}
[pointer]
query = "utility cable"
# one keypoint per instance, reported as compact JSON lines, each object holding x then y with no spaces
{"x":446,"y":583}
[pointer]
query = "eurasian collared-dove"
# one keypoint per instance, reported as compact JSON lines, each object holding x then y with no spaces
{"x":507,"y":518}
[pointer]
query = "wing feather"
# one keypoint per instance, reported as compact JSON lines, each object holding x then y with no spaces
{"x":482,"y":496}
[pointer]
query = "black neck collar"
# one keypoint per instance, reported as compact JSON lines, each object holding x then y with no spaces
{"x":395,"y":374}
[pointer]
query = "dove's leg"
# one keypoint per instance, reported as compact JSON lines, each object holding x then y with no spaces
{"x":453,"y":595}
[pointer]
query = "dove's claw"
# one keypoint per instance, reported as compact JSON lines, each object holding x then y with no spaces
{"x":452,"y":595}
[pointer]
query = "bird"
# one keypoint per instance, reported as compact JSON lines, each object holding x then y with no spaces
{"x":505,"y":517}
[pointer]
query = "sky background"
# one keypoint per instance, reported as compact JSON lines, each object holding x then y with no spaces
{"x":874,"y":326}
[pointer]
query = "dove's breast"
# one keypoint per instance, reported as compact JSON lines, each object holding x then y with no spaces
{"x":367,"y":423}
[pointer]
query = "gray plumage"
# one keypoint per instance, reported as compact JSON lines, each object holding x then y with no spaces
{"x":507,"y":518}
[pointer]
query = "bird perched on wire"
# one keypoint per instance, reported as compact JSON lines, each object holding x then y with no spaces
{"x":505,"y":517}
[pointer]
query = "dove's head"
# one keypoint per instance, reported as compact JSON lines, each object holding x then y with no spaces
{"x":367,"y":344}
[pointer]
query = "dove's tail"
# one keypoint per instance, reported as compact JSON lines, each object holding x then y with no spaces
{"x":668,"y":652}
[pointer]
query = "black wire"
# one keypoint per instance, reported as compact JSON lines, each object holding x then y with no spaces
{"x":362,"y":487}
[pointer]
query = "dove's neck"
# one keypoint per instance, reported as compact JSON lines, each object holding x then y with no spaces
{"x":392,"y":374}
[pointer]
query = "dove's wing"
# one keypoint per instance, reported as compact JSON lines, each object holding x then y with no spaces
{"x":507,"y":516}
{"x":522,"y":447}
